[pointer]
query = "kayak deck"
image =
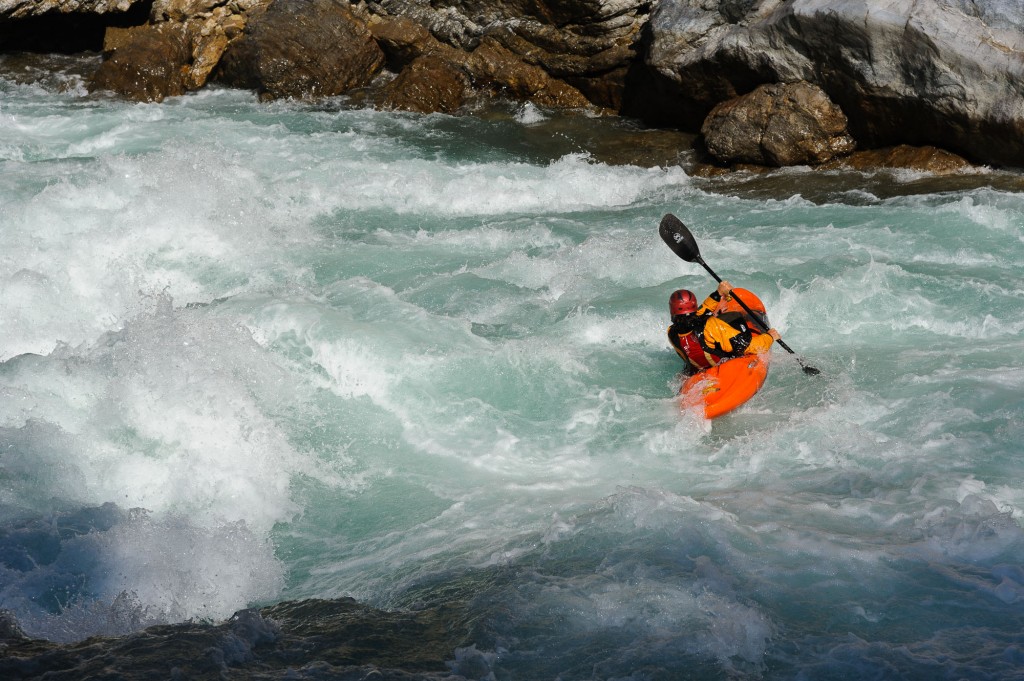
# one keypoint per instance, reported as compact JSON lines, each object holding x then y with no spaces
{"x":725,"y":387}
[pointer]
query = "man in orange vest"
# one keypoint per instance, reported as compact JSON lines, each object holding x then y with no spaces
{"x":704,"y":339}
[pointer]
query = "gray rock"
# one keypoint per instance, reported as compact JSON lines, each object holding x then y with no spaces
{"x":21,"y":9}
{"x":946,"y":72}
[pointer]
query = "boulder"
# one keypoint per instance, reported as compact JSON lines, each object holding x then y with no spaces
{"x":302,"y":49}
{"x":145,"y":63}
{"x":946,"y":73}
{"x":778,"y":125}
{"x":428,"y":84}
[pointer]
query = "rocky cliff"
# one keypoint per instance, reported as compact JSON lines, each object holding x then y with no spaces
{"x":948,"y":73}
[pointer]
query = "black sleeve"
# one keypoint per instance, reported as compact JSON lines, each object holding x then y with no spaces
{"x":740,"y":342}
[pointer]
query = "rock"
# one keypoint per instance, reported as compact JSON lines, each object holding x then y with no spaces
{"x":923,"y":159}
{"x":183,"y":10}
{"x":313,"y":639}
{"x":435,"y":76}
{"x":302,"y":49}
{"x":146,"y":62}
{"x":211,"y":37}
{"x":428,"y":84}
{"x":588,"y":44}
{"x":21,"y":9}
{"x":778,"y":125}
{"x":403,"y":40}
{"x":492,"y":66}
{"x":946,"y":73}
{"x":175,"y":53}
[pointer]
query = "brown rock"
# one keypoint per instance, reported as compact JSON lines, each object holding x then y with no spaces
{"x":206,"y":54}
{"x":589,"y":44}
{"x":440,"y":77}
{"x":778,"y":125}
{"x":147,"y":63}
{"x":430,"y":83}
{"x":302,"y":49}
{"x":211,"y":33}
{"x":181,"y":10}
{"x":403,"y":40}
{"x":926,"y":159}
{"x":494,"y":67}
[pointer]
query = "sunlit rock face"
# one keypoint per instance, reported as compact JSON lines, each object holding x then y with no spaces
{"x":947,"y":72}
{"x":778,"y":125}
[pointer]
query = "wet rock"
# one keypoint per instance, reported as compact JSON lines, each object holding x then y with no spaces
{"x":428,"y":84}
{"x":302,"y":49}
{"x":924,"y":159}
{"x":337,"y":639}
{"x":145,"y":63}
{"x":172,"y":53}
{"x":778,"y":125}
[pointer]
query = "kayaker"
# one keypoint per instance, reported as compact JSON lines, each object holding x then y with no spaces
{"x":703,"y":339}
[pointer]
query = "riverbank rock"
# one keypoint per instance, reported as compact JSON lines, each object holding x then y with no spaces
{"x":145,"y":63}
{"x":588,"y":45}
{"x":922,"y":159}
{"x":947,"y":73}
{"x":302,"y":49}
{"x":21,"y":9}
{"x":778,"y":125}
{"x":312,"y":639}
{"x":435,"y":76}
{"x":173,"y":51}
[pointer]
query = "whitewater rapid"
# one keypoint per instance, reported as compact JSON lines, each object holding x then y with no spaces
{"x":262,"y":352}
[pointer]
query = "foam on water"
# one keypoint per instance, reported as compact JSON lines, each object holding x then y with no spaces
{"x":254,"y":352}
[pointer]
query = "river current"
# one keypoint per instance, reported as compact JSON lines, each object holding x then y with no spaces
{"x":254,"y":353}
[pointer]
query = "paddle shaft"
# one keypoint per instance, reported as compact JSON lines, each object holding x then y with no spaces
{"x":677,"y":236}
{"x":757,"y":320}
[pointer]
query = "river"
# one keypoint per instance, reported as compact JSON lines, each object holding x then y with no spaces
{"x":254,"y":353}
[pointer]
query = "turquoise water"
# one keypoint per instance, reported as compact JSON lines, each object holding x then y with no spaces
{"x":252,"y":353}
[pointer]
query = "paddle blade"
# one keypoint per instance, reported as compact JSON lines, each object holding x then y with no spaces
{"x":677,"y":236}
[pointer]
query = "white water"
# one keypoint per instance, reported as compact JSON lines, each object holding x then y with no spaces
{"x":262,"y":352}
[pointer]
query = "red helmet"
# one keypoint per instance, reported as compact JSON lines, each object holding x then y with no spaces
{"x":682,"y":302}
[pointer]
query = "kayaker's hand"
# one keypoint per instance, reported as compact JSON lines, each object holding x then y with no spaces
{"x":724,"y":288}
{"x":774,"y":334}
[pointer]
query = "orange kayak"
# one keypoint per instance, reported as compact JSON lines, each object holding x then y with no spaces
{"x":724,"y":387}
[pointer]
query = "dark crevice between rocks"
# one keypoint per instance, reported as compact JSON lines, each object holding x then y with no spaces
{"x":56,"y":33}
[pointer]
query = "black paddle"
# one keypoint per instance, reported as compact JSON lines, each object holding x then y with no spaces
{"x":677,"y":236}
